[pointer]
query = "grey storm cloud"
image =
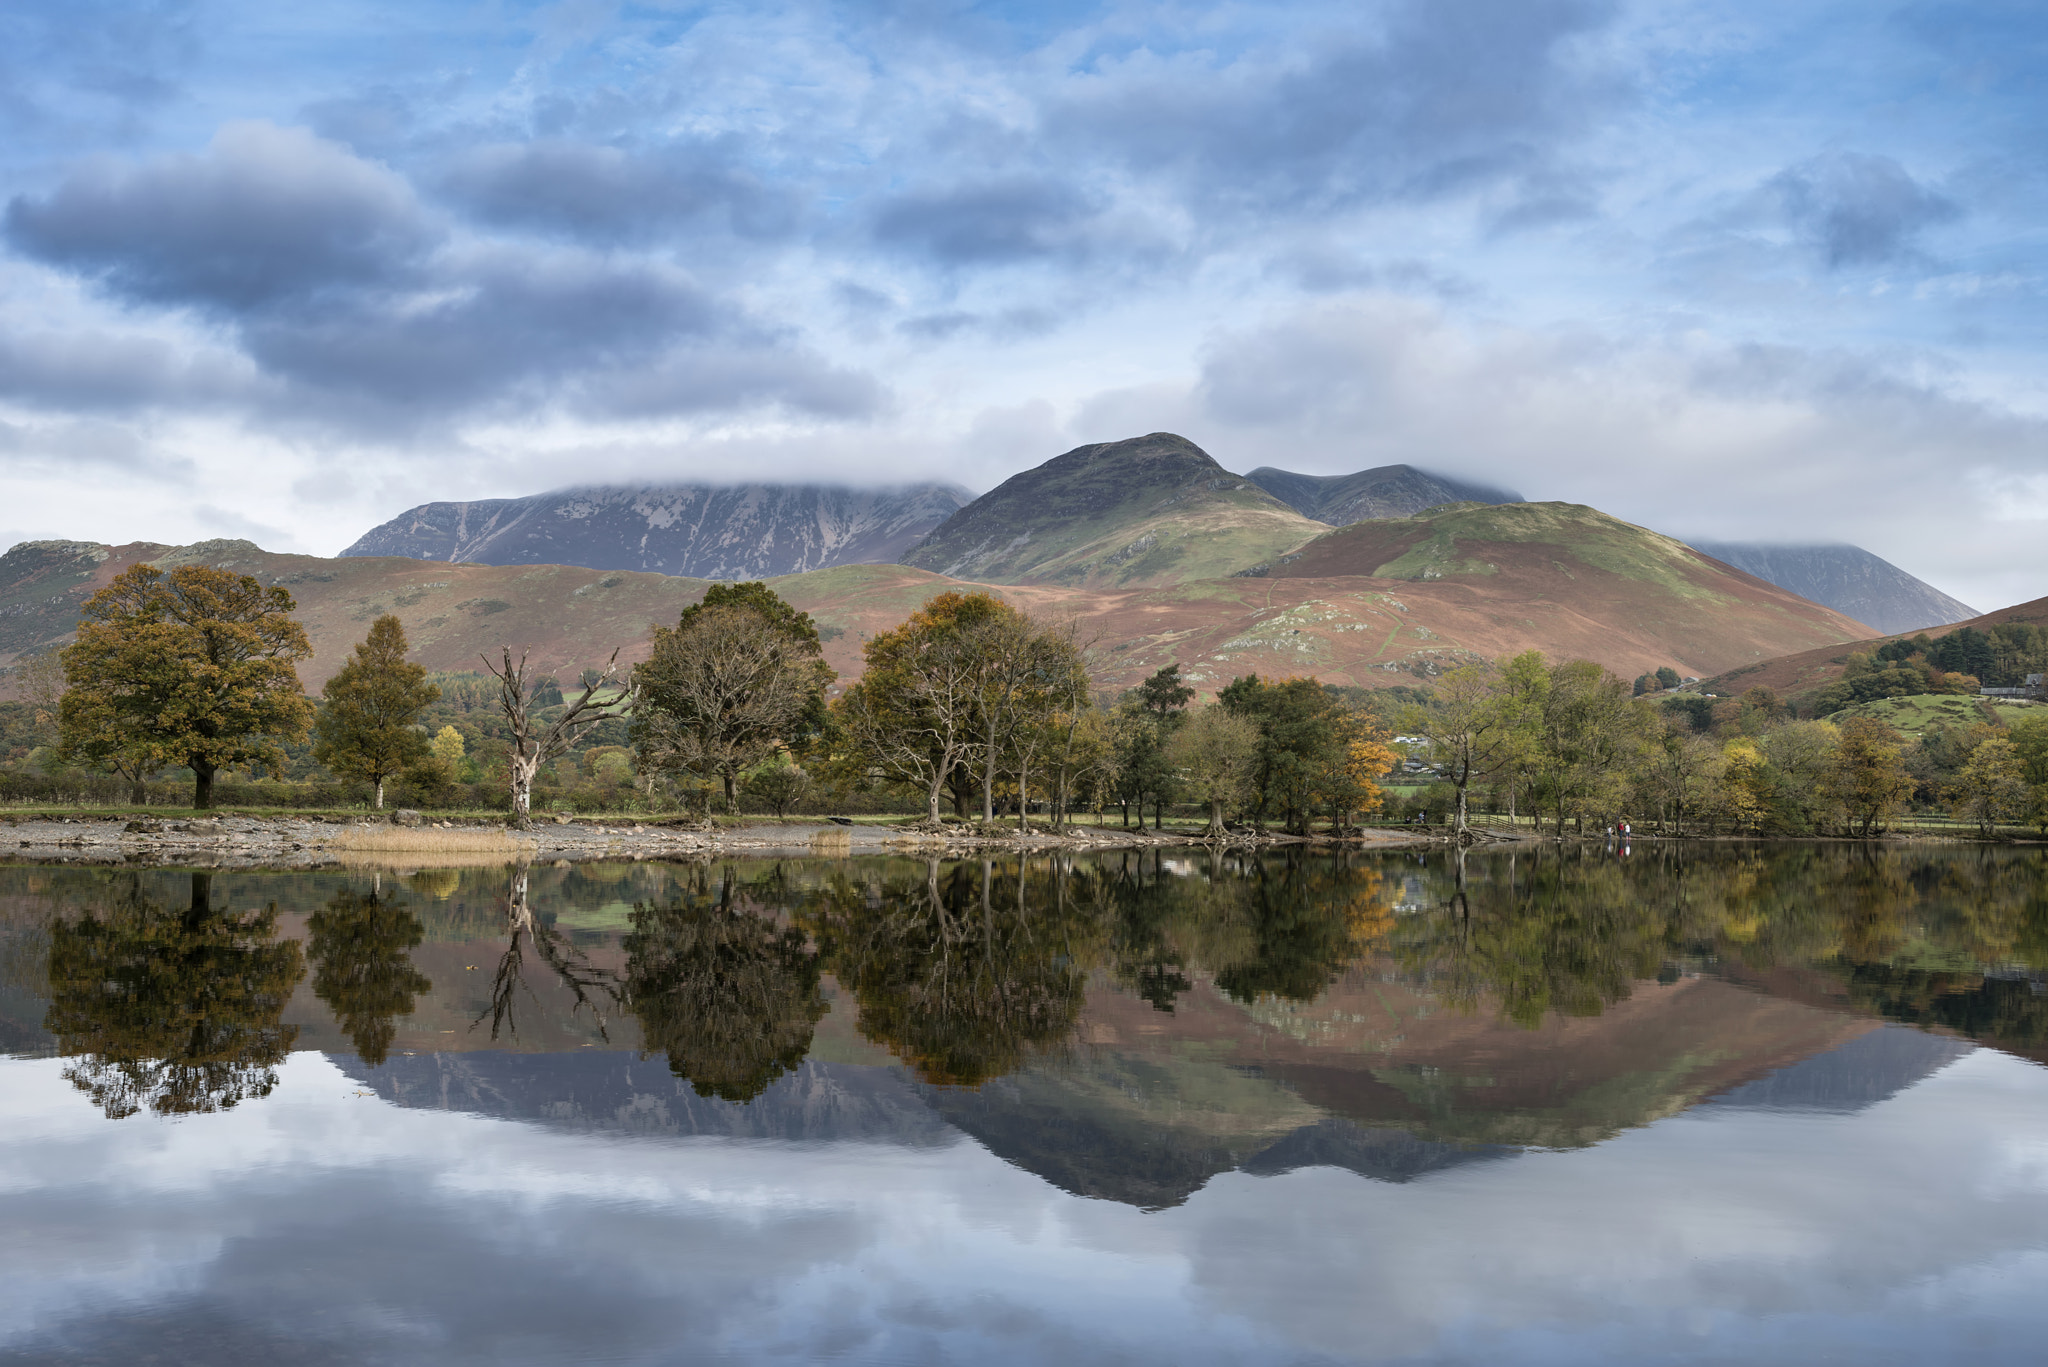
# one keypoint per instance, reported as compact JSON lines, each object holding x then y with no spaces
{"x":1857,"y":209}
{"x":988,"y":222}
{"x":265,"y":216}
{"x":591,"y":192}
{"x":336,"y":280}
{"x":1447,"y":95}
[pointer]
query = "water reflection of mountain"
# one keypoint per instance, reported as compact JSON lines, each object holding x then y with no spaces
{"x":603,"y":1090}
{"x":1855,"y":1075}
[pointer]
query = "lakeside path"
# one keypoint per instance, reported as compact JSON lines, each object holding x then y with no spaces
{"x":242,"y":841}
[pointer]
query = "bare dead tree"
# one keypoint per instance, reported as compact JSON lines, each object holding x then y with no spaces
{"x":534,"y":742}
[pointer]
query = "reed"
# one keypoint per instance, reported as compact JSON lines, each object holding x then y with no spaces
{"x":411,"y":840}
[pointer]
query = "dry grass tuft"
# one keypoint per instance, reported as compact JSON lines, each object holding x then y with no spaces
{"x":834,"y":841}
{"x":468,"y":840}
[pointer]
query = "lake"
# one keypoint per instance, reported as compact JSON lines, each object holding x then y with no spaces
{"x":1699,"y":1104}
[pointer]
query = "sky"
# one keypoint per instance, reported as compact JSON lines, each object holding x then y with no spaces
{"x":1735,"y":271}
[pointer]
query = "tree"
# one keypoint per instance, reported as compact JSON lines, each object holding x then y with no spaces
{"x":179,"y":1010}
{"x":914,"y":715}
{"x":1348,"y":778}
{"x":1471,"y":729}
{"x":536,"y":740}
{"x":1868,"y":777}
{"x":368,"y":725}
{"x":1992,"y":786}
{"x":740,"y":676}
{"x":1216,"y":752}
{"x":1667,"y":677}
{"x":362,"y":967}
{"x":730,"y":996}
{"x":778,"y":784}
{"x":193,"y":667}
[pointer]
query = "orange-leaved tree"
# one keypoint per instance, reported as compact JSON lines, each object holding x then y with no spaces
{"x":193,"y":667}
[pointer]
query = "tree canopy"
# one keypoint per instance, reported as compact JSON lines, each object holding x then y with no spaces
{"x":193,"y":667}
{"x":368,"y":724}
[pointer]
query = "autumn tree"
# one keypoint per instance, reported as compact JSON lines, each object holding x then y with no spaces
{"x":741,"y":676}
{"x":368,"y":724}
{"x":1216,"y":753}
{"x":914,"y":717}
{"x":172,"y":1009}
{"x":1992,"y":786}
{"x":1868,"y":777}
{"x":1470,"y":732}
{"x":193,"y":667}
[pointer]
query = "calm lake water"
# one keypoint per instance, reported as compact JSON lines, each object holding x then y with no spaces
{"x":1761,"y":1106}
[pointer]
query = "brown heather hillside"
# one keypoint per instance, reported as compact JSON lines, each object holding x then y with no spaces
{"x":1806,"y":670}
{"x":1341,"y":626}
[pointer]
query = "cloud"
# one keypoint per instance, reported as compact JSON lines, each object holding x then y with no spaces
{"x":1443,"y":96}
{"x":86,"y":447}
{"x":1857,"y":210}
{"x":610,"y":194}
{"x":1683,"y":434}
{"x":337,"y":283}
{"x":988,"y":222}
{"x":264,"y":217}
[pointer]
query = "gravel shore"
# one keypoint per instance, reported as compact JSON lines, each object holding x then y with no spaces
{"x":234,"y":841}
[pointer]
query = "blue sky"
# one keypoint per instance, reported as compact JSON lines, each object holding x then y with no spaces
{"x":1740,"y":270}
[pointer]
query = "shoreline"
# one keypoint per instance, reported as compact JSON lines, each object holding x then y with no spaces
{"x":239,"y":841}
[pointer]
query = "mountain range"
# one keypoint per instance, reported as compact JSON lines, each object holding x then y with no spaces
{"x":743,"y":531}
{"x":1148,"y":511}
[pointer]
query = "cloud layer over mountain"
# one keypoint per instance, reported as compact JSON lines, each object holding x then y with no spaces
{"x":1740,"y":271}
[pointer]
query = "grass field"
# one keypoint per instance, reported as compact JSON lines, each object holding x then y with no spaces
{"x":1914,"y":715}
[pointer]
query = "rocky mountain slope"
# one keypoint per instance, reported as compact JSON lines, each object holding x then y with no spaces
{"x":1848,"y":579}
{"x":1148,"y":511}
{"x":1386,"y":491}
{"x":1375,"y":604}
{"x":743,"y":531}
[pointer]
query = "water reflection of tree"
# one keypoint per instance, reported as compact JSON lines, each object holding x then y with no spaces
{"x":728,"y":994}
{"x":966,"y":972}
{"x":592,"y":988}
{"x":362,"y":967}
{"x":173,"y":1009}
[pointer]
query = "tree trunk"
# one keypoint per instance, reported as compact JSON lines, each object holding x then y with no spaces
{"x":1216,"y":817}
{"x":202,"y":785}
{"x":378,"y":802}
{"x":1158,"y":814}
{"x":732,"y":802}
{"x":1023,"y":803}
{"x":522,"y":768}
{"x":932,"y":799}
{"x":1461,"y":828}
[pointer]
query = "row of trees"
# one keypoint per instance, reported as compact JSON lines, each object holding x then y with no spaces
{"x":1568,"y":741}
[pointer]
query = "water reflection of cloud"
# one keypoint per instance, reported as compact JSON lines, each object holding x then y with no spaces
{"x":352,"y":1230}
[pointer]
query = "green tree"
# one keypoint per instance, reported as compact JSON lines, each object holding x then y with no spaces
{"x":368,"y":724}
{"x":1667,"y":677}
{"x":1472,"y":729}
{"x":1302,"y":731}
{"x":362,"y":967}
{"x":1216,"y":752}
{"x":741,"y":676}
{"x":730,"y":996}
{"x":194,"y":667}
{"x":1992,"y":786}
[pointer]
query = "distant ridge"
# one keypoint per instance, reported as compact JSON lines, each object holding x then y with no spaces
{"x":1848,"y":579}
{"x":1384,"y":491}
{"x":701,"y":531}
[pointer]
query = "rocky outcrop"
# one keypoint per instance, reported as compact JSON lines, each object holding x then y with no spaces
{"x":741,"y":531}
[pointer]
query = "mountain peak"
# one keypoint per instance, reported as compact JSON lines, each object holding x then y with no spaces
{"x":1146,"y":510}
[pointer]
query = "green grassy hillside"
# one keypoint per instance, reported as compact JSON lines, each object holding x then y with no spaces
{"x":1148,"y":511}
